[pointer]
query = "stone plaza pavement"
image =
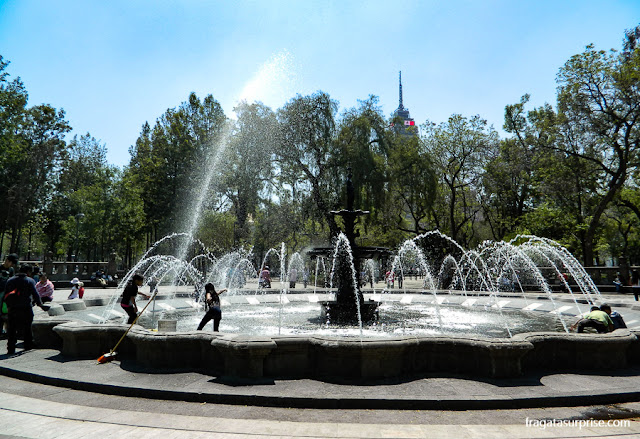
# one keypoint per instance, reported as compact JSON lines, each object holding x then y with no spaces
{"x":44,"y":395}
{"x":32,"y":410}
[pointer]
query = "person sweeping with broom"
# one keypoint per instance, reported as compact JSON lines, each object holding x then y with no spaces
{"x":128,"y":302}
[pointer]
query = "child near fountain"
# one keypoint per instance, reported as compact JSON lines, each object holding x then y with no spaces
{"x":616,"y":318}
{"x":212,"y":305}
{"x":75,"y":289}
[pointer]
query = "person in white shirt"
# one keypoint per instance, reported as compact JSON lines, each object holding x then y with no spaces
{"x":75,"y":288}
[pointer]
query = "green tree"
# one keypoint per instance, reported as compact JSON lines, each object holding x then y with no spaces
{"x":306,"y":142}
{"x":459,"y":149}
{"x":248,"y":162}
{"x":13,"y":109}
{"x":413,"y":184}
{"x":598,"y":116}
{"x":126,"y":224}
{"x":169,"y":161}
{"x":507,"y":180}
{"x":31,"y":148}
{"x":363,"y":143}
{"x":216,"y":231}
{"x":83,"y":188}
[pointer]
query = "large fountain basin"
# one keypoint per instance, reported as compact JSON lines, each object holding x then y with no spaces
{"x":337,"y":358}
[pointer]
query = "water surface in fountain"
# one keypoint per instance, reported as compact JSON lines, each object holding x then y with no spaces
{"x":396,"y":319}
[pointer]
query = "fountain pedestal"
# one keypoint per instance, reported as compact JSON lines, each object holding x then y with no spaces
{"x":346,"y":312}
{"x":349,"y":306}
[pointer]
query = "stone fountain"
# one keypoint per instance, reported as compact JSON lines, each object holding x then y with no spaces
{"x":349,"y":306}
{"x":331,"y":352}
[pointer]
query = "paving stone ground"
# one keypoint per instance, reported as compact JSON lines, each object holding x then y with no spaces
{"x":43,"y":404}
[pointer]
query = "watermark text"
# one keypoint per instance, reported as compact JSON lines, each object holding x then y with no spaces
{"x":579,"y":423}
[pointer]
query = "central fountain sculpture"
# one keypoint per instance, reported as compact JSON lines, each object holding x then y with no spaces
{"x":349,"y":306}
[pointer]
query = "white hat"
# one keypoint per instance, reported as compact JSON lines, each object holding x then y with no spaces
{"x":75,"y":280}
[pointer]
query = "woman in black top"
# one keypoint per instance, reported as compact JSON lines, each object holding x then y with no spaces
{"x":128,"y":302}
{"x":212,"y":305}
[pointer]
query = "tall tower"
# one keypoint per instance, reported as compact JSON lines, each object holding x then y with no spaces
{"x":402,"y":116}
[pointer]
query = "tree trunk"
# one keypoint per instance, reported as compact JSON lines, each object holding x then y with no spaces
{"x":29,"y":245}
{"x":241,"y":218}
{"x":452,"y":216}
{"x":128,"y":252}
{"x":615,"y":184}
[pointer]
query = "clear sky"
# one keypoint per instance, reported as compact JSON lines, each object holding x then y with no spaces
{"x":112,"y":65}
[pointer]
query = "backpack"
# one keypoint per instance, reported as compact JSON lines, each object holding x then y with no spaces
{"x":13,"y":297}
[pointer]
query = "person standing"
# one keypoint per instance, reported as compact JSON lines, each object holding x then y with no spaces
{"x":153,"y":285}
{"x":618,"y":283}
{"x":19,"y":292}
{"x":128,"y":302}
{"x":390,"y":277}
{"x":36,"y":273}
{"x":635,"y":283}
{"x":212,"y":306}
{"x":265,"y":277}
{"x":7,"y":269}
{"x":45,"y":288}
{"x":6,"y":272}
{"x":305,"y":276}
{"x":293,"y":277}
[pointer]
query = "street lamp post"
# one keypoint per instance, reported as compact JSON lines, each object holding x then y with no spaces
{"x":79,"y":216}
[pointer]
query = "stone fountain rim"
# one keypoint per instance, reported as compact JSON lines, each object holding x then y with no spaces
{"x":76,"y":325}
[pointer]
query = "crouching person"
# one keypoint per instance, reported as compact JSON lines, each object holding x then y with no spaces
{"x":597,"y":319}
{"x":616,"y":318}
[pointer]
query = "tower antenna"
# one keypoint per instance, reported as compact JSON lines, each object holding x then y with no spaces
{"x":400,"y":107}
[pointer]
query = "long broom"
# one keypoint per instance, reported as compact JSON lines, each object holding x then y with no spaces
{"x":111,"y":355}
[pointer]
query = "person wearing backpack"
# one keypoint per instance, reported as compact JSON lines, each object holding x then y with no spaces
{"x":19,"y":292}
{"x":6,"y":272}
